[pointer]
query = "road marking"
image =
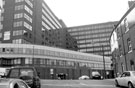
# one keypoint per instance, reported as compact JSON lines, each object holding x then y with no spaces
{"x":75,"y":85}
{"x":96,"y":85}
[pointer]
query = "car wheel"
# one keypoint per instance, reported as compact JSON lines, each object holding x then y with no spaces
{"x":116,"y":83}
{"x":130,"y":85}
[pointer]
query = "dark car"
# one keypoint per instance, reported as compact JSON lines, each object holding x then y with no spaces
{"x":28,"y":74}
{"x":96,"y":75}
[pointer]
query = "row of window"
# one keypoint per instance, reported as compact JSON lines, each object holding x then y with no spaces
{"x":48,"y":62}
{"x":27,"y":26}
{"x":45,"y":52}
{"x":20,"y":41}
{"x":129,"y":47}
{"x":99,"y":27}
{"x":45,"y":25}
{"x":21,"y":15}
{"x":120,"y":30}
{"x":21,"y":23}
{"x":91,"y":32}
{"x":46,"y":20}
{"x":91,"y":45}
{"x":92,"y":41}
{"x":29,"y":3}
{"x":93,"y":36}
{"x":57,"y":22}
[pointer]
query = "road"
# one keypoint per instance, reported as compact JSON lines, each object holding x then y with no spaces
{"x":106,"y":83}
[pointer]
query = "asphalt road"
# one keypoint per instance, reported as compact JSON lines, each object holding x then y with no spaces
{"x":106,"y":83}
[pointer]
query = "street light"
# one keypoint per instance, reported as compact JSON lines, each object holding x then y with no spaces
{"x":104,"y":70}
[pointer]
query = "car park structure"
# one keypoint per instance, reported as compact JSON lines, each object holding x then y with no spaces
{"x":51,"y":61}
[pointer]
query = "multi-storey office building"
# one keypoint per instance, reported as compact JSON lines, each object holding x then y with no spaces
{"x":93,"y":38}
{"x":123,"y":42}
{"x":64,"y":40}
{"x":29,"y":22}
{"x":50,"y":61}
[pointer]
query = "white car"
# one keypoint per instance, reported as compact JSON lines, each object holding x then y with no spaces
{"x":126,"y":79}
{"x":84,"y":77}
{"x":12,"y":83}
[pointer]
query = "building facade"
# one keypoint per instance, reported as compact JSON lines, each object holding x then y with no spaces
{"x":123,"y":42}
{"x":30,"y":22}
{"x":50,"y":61}
{"x":93,"y":38}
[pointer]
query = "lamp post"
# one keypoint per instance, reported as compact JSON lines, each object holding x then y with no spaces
{"x":104,"y":70}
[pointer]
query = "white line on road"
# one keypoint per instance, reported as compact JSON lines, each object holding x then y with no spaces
{"x":75,"y":85}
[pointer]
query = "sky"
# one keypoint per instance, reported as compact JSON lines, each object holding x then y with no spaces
{"x":84,"y":12}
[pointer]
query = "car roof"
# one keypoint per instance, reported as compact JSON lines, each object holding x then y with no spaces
{"x":22,"y":67}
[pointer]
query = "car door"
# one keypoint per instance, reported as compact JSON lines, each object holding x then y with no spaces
{"x":126,"y":79}
{"x":121,"y":79}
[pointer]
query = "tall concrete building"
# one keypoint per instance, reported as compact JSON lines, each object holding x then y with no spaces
{"x":93,"y":38}
{"x":29,"y":22}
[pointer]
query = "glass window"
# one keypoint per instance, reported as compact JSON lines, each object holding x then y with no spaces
{"x":17,"y":61}
{"x":29,"y":3}
{"x":18,"y":15}
{"x":27,"y":26}
{"x":28,"y":60}
{"x":126,"y":25}
{"x":19,"y":7}
{"x":18,"y":32}
{"x":27,"y":17}
{"x":28,"y":10}
{"x":16,"y":1}
{"x":129,"y":44}
{"x":18,"y":24}
{"x":14,"y":73}
{"x":7,"y":35}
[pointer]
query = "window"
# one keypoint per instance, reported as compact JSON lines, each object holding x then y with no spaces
{"x":28,"y":60}
{"x":1,"y":26}
{"x":7,"y":35}
{"x":18,"y":24}
{"x":19,"y":15}
{"x":19,"y":1}
{"x":29,"y":3}
{"x":27,"y":17}
{"x":120,"y":50}
{"x":126,"y":25}
{"x":19,"y":7}
{"x":118,"y":32}
{"x":129,"y":44}
{"x":0,"y":35}
{"x":27,"y":26}
{"x":28,"y":10}
{"x":1,"y":18}
{"x":18,"y":32}
{"x":17,"y":41}
{"x":17,"y":61}
{"x":45,"y":25}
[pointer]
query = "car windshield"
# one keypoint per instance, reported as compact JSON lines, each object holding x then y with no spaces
{"x":23,"y":72}
{"x":26,"y":72}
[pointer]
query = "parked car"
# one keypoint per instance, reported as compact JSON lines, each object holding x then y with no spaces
{"x":126,"y":79}
{"x":96,"y":75}
{"x":12,"y":83}
{"x":28,"y":74}
{"x":84,"y":77}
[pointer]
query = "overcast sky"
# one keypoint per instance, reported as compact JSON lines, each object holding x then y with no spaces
{"x":83,"y":12}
